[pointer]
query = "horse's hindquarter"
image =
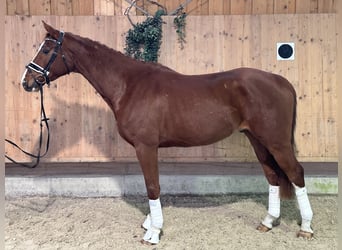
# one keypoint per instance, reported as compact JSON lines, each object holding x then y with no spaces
{"x":204,"y":109}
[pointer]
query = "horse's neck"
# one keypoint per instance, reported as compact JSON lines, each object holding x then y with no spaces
{"x":104,"y":68}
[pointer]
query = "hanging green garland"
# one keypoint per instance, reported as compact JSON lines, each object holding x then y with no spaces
{"x":179,"y":23}
{"x":144,"y":40}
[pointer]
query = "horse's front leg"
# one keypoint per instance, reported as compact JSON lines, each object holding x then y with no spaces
{"x":148,"y":159}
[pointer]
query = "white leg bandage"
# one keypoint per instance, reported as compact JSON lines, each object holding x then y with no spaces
{"x":153,"y":222}
{"x":147,"y":223}
{"x":273,"y":206}
{"x":274,"y":201}
{"x":305,"y":208}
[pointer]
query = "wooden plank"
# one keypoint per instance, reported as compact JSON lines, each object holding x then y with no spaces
{"x":171,"y":5}
{"x":266,"y":38}
{"x":291,"y":6}
{"x":120,"y":7}
{"x":141,"y":4}
{"x":61,"y":7}
{"x":204,"y":5}
{"x":216,"y":7}
{"x":193,"y":8}
{"x":303,"y":6}
{"x":198,"y":7}
{"x":241,"y":7}
{"x":40,"y":7}
{"x":263,"y":7}
{"x":149,"y":7}
{"x":252,"y":40}
{"x":226,"y":7}
{"x":326,"y":6}
{"x":305,"y":124}
{"x":152,"y":7}
{"x":22,"y":7}
{"x":17,"y":7}
{"x":316,"y":82}
{"x":284,"y":6}
{"x":104,"y":8}
{"x":329,"y":88}
{"x":83,"y":7}
{"x":314,"y":6}
{"x":11,"y":7}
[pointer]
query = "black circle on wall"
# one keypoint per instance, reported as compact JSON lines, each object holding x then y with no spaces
{"x":285,"y":51}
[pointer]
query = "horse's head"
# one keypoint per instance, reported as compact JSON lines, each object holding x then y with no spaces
{"x":49,"y":62}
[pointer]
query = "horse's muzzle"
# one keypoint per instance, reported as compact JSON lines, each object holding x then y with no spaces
{"x":33,"y":88}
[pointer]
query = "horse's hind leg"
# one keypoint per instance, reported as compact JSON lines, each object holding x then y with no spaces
{"x":282,"y":168}
{"x":148,"y":159}
{"x":287,"y":161}
{"x":270,"y":169}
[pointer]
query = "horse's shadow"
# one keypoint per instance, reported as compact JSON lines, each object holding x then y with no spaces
{"x":230,"y":202}
{"x":70,"y":122}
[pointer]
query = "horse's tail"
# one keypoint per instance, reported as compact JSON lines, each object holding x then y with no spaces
{"x":294,"y":118}
{"x":286,"y":187}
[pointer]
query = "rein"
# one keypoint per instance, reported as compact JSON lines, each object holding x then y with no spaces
{"x":44,"y":120}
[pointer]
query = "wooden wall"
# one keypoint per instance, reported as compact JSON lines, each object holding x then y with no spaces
{"x":83,"y":128}
{"x":195,"y":7}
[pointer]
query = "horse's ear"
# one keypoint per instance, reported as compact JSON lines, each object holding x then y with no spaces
{"x":53,"y":32}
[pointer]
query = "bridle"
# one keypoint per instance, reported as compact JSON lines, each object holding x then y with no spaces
{"x":44,"y":72}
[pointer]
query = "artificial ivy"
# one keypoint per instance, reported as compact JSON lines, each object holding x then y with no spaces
{"x":144,"y":40}
{"x":179,"y":23}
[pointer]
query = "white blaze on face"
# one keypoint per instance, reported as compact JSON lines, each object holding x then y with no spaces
{"x":23,"y":77}
{"x":32,"y":62}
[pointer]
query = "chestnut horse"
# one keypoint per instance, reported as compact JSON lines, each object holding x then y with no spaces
{"x":155,"y":106}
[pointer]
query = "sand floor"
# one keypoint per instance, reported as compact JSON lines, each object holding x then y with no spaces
{"x":190,"y":222}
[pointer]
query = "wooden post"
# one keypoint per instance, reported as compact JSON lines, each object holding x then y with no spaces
{"x":339,"y":90}
{"x":2,"y":126}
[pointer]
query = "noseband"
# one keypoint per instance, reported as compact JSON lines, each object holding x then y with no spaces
{"x":44,"y":72}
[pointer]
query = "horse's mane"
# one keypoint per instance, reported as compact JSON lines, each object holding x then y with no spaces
{"x":92,"y":43}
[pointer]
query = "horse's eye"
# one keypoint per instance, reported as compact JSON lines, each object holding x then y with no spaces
{"x":46,"y":51}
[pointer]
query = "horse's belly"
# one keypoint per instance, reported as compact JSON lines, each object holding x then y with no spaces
{"x":194,"y":138}
{"x":197,"y":131}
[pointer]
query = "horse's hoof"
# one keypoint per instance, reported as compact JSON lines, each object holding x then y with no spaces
{"x":305,"y":235}
{"x":263,"y":228}
{"x":144,"y":242}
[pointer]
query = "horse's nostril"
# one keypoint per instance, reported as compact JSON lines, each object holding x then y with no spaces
{"x":25,"y":86}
